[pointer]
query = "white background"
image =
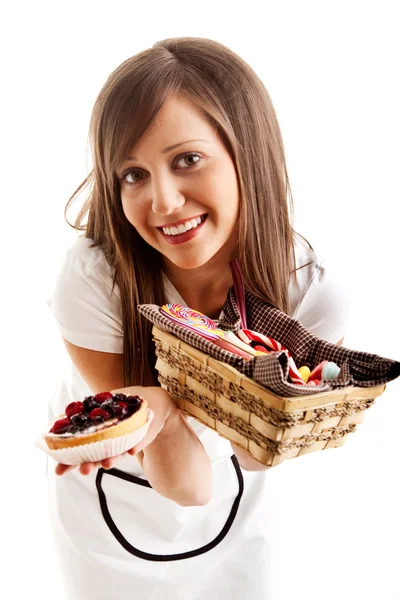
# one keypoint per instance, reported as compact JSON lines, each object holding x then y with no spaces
{"x":331,"y":69}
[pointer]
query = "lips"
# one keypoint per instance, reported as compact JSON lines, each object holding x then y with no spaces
{"x":186,"y":236}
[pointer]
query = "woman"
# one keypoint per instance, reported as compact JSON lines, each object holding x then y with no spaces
{"x":188,"y":173}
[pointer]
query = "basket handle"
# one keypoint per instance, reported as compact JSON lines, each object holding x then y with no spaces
{"x":238,"y":286}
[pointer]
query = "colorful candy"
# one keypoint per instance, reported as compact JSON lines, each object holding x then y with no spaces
{"x":202,"y":325}
{"x":247,"y":344}
{"x":249,"y":336}
{"x":261,"y":349}
{"x":193,"y":320}
{"x":317,"y":372}
{"x":230,"y":337}
{"x":305,"y":373}
{"x":294,"y":374}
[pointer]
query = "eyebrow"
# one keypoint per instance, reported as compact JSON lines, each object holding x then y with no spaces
{"x":169,"y":148}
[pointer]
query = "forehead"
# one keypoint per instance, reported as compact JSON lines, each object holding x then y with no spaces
{"x":178,"y":120}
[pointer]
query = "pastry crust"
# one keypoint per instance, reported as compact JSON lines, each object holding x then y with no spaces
{"x":135,"y":421}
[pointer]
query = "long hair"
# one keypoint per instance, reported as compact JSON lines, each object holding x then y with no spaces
{"x":235,"y":101}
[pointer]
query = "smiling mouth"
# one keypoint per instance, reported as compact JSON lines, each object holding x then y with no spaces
{"x":183,"y":226}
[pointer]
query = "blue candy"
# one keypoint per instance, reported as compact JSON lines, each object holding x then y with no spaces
{"x":330,"y":371}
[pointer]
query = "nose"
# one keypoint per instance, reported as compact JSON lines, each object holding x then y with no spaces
{"x":166,"y":197}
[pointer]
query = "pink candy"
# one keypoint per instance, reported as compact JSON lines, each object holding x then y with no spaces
{"x":314,"y":382}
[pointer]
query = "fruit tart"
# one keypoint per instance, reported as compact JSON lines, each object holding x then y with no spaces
{"x":98,"y":427}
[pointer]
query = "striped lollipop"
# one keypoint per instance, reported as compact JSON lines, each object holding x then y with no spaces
{"x":193,"y":320}
{"x":248,"y":336}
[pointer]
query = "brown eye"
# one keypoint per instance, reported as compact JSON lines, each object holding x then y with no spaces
{"x":133,"y":177}
{"x":190,"y":160}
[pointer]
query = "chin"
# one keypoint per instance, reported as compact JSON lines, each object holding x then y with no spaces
{"x":189,"y":265}
{"x":188,"y":262}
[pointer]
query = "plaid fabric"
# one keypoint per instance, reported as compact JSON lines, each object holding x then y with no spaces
{"x":272,"y":370}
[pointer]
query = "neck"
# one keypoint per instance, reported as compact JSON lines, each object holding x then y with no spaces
{"x":204,"y":288}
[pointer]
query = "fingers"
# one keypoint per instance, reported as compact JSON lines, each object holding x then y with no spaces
{"x":108,"y":463}
{"x":84,"y":468}
{"x":61,"y":469}
{"x":87,"y":468}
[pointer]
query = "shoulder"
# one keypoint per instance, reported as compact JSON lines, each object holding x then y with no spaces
{"x":85,"y":303}
{"x":318,"y":294}
{"x":307,"y":265}
{"x":88,"y":261}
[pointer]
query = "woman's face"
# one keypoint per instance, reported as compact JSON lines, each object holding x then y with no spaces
{"x":179,"y":188}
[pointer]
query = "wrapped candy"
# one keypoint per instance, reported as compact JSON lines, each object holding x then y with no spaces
{"x":246,"y":344}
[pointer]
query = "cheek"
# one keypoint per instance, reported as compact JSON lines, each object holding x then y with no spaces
{"x":131,"y":211}
{"x":225,"y":192}
{"x":125,"y":207}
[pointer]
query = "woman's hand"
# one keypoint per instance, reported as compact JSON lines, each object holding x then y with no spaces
{"x":247,"y":462}
{"x":163,"y":407}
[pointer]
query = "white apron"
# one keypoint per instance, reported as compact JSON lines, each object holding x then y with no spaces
{"x":117,"y":538}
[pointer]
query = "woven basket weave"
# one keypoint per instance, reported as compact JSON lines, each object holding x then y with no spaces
{"x":270,"y":428}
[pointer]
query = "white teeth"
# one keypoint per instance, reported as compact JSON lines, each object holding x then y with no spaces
{"x":182,"y":227}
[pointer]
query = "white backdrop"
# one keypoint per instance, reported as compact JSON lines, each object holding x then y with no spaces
{"x":332,"y":71}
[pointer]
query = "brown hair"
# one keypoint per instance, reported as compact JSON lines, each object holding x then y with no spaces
{"x":236,"y":102}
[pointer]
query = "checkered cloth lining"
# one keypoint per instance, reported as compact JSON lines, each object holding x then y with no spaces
{"x":272,"y":370}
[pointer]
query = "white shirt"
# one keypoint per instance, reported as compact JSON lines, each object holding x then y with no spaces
{"x":112,"y":533}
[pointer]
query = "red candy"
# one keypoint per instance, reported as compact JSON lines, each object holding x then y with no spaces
{"x":317,"y":372}
{"x":314,"y":382}
{"x":74,"y":409}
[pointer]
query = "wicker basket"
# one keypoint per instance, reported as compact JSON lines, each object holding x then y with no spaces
{"x":269,"y":427}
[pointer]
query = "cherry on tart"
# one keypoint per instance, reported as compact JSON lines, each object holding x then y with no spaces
{"x":97,"y":418}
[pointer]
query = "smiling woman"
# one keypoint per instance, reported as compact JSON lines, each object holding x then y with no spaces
{"x":198,"y":202}
{"x":189,"y":173}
